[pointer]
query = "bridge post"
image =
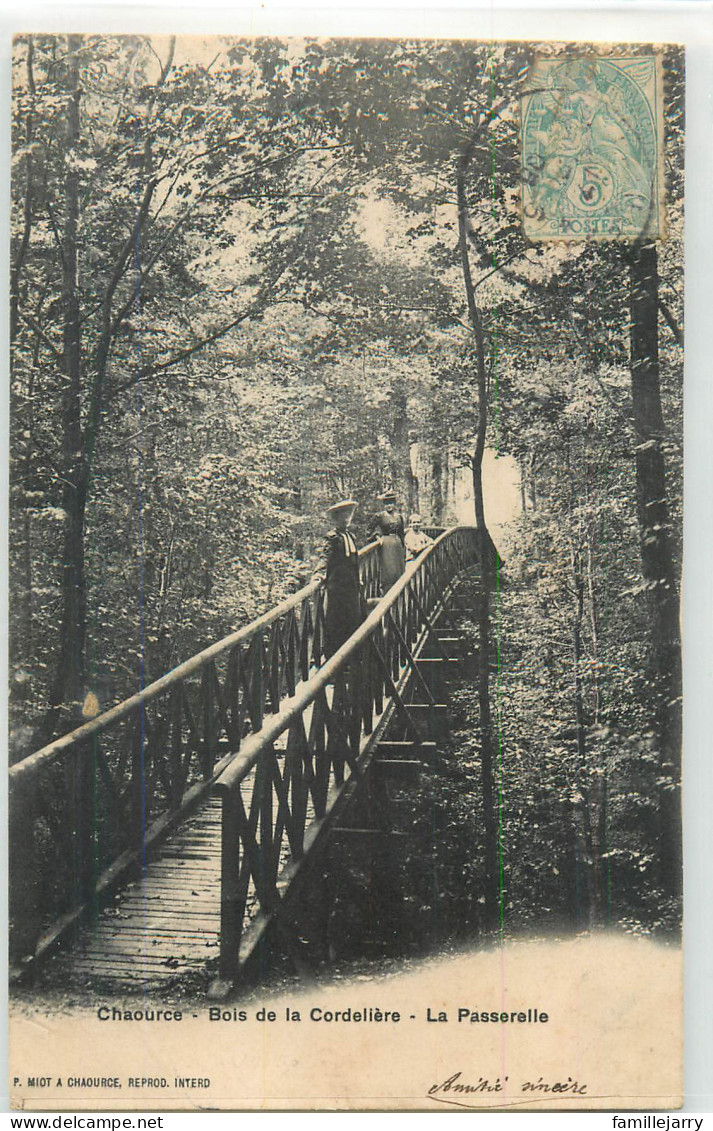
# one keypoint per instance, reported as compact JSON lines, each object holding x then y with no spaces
{"x":321,"y":907}
{"x":256,"y":705}
{"x":138,"y":781}
{"x":79,"y":776}
{"x":232,"y":900}
{"x":24,"y":907}
{"x":207,"y":748}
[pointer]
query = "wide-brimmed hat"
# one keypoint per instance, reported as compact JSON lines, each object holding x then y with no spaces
{"x":343,"y":505}
{"x":387,"y":497}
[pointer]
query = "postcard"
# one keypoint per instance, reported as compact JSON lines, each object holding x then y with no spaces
{"x":345,"y":559}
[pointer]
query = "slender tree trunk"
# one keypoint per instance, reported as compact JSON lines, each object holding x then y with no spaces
{"x":532,"y":486}
{"x":26,"y":614}
{"x":23,"y":632}
{"x":488,"y":566}
{"x":413,"y":454}
{"x":656,"y":555}
{"x":69,"y":680}
{"x":19,"y":259}
{"x":599,"y":779}
{"x":651,"y":498}
{"x":588,"y":803}
{"x":400,"y":445}
{"x":437,"y":488}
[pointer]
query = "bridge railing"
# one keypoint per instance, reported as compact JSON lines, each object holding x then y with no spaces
{"x":279,"y":794}
{"x":85,"y":807}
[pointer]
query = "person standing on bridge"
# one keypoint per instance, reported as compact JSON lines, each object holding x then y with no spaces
{"x":388,"y":529}
{"x":338,"y":569}
{"x":415,"y":540}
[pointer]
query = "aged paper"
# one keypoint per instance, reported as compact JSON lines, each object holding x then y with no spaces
{"x":432,"y":860}
{"x":612,"y":1039}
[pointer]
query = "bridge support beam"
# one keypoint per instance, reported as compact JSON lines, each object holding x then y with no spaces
{"x":393,"y":750}
{"x":431,"y":719}
{"x":446,"y":643}
{"x":435,"y":672}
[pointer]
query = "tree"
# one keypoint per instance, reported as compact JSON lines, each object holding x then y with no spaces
{"x":134,"y":163}
{"x":656,"y":556}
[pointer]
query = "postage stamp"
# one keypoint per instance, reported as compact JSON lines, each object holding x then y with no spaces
{"x":591,"y":133}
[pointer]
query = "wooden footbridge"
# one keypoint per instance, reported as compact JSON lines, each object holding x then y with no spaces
{"x":185,"y":828}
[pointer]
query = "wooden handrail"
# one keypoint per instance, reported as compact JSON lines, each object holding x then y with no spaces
{"x":279,"y":798}
{"x":21,"y":770}
{"x":233,"y":774}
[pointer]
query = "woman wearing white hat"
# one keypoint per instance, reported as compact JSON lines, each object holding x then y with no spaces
{"x":338,"y":569}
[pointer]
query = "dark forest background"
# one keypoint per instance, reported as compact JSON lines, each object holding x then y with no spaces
{"x":249,"y":276}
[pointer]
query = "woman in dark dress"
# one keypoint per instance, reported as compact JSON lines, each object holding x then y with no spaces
{"x":388,"y":527}
{"x":338,"y":569}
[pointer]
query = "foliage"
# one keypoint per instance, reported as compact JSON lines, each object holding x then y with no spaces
{"x":237,"y":291}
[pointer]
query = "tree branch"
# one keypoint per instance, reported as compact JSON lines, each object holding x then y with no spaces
{"x":56,"y":353}
{"x":106,"y":336}
{"x":182,"y":355}
{"x":499,"y":266}
{"x":201,"y":199}
{"x":55,"y":229}
{"x":671,"y":322}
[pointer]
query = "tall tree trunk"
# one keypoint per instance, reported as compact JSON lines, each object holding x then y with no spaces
{"x":532,"y":484}
{"x":19,"y":259}
{"x":400,"y":448}
{"x":413,"y":460}
{"x":599,"y":780}
{"x":25,"y":618}
{"x":523,"y":497}
{"x":22,"y":470}
{"x":488,"y":566}
{"x":656,"y":555}
{"x":437,"y":488}
{"x":68,"y":684}
{"x":588,"y":802}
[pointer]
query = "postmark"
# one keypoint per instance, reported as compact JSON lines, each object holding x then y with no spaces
{"x":591,"y":145}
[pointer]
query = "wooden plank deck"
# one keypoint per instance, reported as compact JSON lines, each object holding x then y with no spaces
{"x":166,"y":923}
{"x":162,"y":924}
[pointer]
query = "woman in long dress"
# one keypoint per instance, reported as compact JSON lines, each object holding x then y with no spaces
{"x":388,"y":527}
{"x":338,"y":569}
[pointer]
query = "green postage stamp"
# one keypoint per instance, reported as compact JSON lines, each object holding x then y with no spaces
{"x":591,"y":148}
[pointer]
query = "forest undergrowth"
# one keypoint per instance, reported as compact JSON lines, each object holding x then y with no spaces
{"x":554,"y":876}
